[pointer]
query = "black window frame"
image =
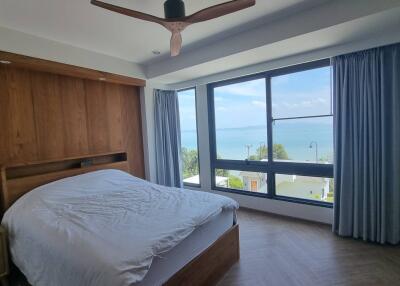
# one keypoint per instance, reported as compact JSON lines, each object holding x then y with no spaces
{"x":197,"y":137}
{"x":270,"y":167}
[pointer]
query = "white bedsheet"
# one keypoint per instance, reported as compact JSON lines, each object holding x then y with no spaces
{"x":102,"y":228}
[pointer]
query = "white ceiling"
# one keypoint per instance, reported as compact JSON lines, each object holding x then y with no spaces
{"x":377,"y":29}
{"x":78,"y":23}
{"x":71,"y":30}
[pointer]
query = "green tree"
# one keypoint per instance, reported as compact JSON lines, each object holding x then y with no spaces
{"x":235,"y":182}
{"x":261,"y":153}
{"x":324,"y":159}
{"x":331,"y":185}
{"x":222,"y":172}
{"x":279,"y":152}
{"x":190,"y":163}
{"x":330,"y":195}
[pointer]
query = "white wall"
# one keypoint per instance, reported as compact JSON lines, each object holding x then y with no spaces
{"x":33,"y":46}
{"x":338,"y":21}
{"x":308,"y":212}
{"x":391,"y":37}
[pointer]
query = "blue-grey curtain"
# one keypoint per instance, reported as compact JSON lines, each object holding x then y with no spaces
{"x":366,"y":87}
{"x":167,"y":138}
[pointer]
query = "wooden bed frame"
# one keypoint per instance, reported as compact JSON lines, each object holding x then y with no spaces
{"x":205,"y":269}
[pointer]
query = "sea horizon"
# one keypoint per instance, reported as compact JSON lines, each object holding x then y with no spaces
{"x":296,"y":138}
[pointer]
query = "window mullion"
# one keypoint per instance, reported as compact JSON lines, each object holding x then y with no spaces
{"x":212,"y":132}
{"x":271,"y":175}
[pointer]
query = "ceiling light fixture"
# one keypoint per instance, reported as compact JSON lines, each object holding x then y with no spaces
{"x":4,"y":62}
{"x":102,"y":78}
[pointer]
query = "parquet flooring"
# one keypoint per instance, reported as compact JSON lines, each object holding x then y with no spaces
{"x":278,"y":251}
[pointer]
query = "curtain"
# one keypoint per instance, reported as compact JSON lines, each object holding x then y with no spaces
{"x":167,"y":138}
{"x":366,"y":88}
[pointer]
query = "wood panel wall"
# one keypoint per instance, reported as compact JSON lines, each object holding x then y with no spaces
{"x":46,"y":116}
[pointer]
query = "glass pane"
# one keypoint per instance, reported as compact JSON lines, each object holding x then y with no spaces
{"x":190,"y":156}
{"x":306,"y":93}
{"x":304,"y":140}
{"x":240,"y":120}
{"x":241,"y":180}
{"x":310,"y":188}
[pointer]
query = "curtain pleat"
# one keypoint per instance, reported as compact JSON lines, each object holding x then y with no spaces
{"x":167,"y":138}
{"x":366,"y":87}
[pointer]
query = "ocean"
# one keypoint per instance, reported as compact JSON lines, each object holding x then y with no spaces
{"x":294,"y":136}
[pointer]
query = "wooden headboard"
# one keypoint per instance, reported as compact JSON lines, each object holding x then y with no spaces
{"x":48,"y":116}
{"x":17,"y":180}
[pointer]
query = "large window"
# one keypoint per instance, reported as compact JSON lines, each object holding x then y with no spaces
{"x":302,"y":115}
{"x":272,"y":134}
{"x":188,"y":122}
{"x":240,"y":124}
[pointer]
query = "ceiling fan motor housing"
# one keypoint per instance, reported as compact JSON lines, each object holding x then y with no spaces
{"x":174,"y":9}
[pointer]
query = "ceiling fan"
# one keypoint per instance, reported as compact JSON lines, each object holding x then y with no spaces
{"x":175,"y":17}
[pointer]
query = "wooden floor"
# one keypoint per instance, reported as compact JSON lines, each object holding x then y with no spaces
{"x":282,"y":251}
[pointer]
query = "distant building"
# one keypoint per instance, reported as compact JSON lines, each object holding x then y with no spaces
{"x":254,"y":182}
{"x":192,"y":180}
{"x":222,"y":181}
{"x":219,"y":181}
{"x":312,"y":188}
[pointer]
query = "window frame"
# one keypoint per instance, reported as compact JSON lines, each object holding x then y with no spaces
{"x":270,"y":167}
{"x":197,"y":136}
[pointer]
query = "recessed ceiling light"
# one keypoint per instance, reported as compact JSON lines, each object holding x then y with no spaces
{"x":155,"y":52}
{"x":102,"y":78}
{"x":5,"y":62}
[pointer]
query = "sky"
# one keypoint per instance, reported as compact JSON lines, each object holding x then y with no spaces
{"x":306,"y":93}
{"x":187,"y":109}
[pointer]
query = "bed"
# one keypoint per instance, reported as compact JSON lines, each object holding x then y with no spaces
{"x":86,"y":221}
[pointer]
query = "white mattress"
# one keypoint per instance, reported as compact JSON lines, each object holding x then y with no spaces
{"x":166,"y":265}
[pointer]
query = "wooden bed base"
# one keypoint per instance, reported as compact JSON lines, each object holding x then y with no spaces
{"x":212,"y":264}
{"x":205,"y":269}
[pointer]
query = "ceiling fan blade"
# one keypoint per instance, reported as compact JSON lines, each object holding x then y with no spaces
{"x":176,"y":44}
{"x":128,"y":12}
{"x":219,"y":10}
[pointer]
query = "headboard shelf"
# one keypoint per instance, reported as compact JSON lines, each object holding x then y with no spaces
{"x":16,"y":180}
{"x":89,"y":156}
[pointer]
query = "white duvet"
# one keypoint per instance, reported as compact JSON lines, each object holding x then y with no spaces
{"x":102,"y":228}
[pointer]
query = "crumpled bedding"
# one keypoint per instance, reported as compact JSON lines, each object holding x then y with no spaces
{"x":102,"y":228}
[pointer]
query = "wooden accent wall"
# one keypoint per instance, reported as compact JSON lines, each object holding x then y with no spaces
{"x":46,"y":116}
